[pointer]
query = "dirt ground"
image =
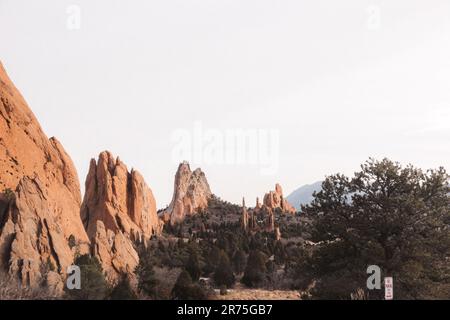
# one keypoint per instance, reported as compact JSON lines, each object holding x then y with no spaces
{"x":242,"y":293}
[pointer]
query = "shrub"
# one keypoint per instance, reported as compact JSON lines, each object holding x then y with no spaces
{"x":255,"y":270}
{"x":72,"y":241}
{"x":123,"y":290}
{"x":184,"y":289}
{"x":147,"y":281}
{"x":93,"y":282}
{"x":223,"y":275}
{"x":193,"y":266}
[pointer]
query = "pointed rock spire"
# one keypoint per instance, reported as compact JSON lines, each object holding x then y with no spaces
{"x":118,"y":210}
{"x":191,"y":193}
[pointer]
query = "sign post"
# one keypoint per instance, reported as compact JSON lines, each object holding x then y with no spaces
{"x":388,"y":288}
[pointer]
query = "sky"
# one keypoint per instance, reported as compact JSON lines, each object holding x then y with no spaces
{"x":324,"y":84}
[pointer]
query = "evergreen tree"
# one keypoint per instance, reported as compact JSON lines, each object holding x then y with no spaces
{"x":255,"y":271}
{"x":279,"y":252}
{"x":239,"y":261}
{"x":193,"y":266}
{"x":147,"y":282}
{"x":223,"y":274}
{"x":387,"y":215}
{"x":93,"y":282}
{"x":123,"y":290}
{"x":212,"y":259}
{"x":184,"y":289}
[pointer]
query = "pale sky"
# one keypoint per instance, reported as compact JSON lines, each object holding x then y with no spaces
{"x":340,"y":81}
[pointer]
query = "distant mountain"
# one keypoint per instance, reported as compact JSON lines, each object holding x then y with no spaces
{"x":303,"y":195}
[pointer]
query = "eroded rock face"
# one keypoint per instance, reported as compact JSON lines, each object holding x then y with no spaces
{"x":39,"y":208}
{"x":191,"y":193}
{"x":31,"y":238}
{"x":274,"y":200}
{"x":118,"y":210}
{"x":115,"y":252}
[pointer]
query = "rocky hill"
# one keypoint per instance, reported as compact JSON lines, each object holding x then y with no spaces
{"x":40,"y":202}
{"x":304,"y":194}
{"x":44,"y":224}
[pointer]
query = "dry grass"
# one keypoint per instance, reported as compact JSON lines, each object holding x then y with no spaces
{"x":242,"y":293}
{"x":10,"y":289}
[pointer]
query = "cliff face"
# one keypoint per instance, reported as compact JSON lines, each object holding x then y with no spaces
{"x":191,"y":193}
{"x":39,"y":206}
{"x":118,"y":210}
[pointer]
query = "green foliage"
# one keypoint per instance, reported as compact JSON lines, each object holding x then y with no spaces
{"x":279,"y":252}
{"x":193,"y":266}
{"x":123,"y":290}
{"x":223,"y":275}
{"x":147,"y":282}
{"x":184,"y":289}
{"x":239,"y":261}
{"x":212,"y":259}
{"x":255,"y":270}
{"x":93,"y":283}
{"x":387,"y":215}
{"x":72,"y":241}
{"x":9,"y":194}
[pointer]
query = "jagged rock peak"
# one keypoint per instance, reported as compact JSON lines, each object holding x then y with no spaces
{"x":191,"y":193}
{"x":118,"y":211}
{"x":275,"y":200}
{"x":119,"y":198}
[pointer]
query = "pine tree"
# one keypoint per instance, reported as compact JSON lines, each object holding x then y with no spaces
{"x":255,"y":271}
{"x":147,"y":282}
{"x":387,"y":215}
{"x":193,"y":266}
{"x":184,"y":289}
{"x":93,"y":282}
{"x":123,"y":290}
{"x":239,"y":261}
{"x":223,"y":274}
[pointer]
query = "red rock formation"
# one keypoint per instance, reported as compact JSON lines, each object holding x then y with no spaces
{"x":270,"y":222}
{"x":118,"y":209}
{"x":277,"y":234}
{"x":39,"y":209}
{"x":191,"y":193}
{"x":258,"y":204}
{"x":274,"y":200}
{"x":115,"y":251}
{"x":244,"y":218}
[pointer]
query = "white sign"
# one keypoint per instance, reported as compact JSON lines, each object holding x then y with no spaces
{"x":388,"y":288}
